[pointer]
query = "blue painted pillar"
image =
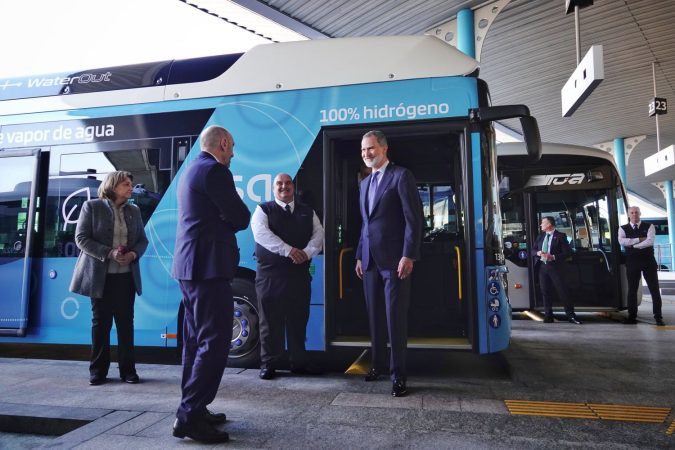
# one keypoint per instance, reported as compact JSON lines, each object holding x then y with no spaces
{"x":620,"y":159}
{"x":466,"y":38}
{"x":670,"y":210}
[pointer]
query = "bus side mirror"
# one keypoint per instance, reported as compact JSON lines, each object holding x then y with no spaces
{"x":528,"y":123}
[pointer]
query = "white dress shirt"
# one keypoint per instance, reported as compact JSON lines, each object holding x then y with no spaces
{"x":635,"y":242}
{"x":265,"y":237}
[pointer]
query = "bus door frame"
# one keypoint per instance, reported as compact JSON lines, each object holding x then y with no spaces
{"x":26,"y":277}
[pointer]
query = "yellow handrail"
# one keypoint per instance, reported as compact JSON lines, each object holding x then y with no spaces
{"x":342,"y":252}
{"x":459,"y":272}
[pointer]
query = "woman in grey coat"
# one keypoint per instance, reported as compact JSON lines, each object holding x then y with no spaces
{"x":111,"y":239}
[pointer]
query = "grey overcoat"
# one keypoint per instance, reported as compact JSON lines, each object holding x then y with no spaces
{"x":94,"y":237}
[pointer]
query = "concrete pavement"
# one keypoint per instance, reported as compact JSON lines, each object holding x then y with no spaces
{"x":456,"y":400}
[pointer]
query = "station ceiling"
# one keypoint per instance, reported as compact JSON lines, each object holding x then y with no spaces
{"x":528,"y":54}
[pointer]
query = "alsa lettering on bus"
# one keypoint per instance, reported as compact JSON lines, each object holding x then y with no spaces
{"x":258,"y":187}
{"x":400,"y":111}
{"x":61,"y":81}
{"x":62,"y":133}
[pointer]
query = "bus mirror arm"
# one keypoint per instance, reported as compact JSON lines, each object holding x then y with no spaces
{"x":527,"y":122}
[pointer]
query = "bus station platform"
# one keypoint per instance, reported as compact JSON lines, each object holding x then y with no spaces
{"x":594,"y":386}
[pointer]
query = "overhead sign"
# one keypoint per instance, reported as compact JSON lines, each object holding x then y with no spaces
{"x":660,"y":160}
{"x":658,"y":106}
{"x":585,"y":78}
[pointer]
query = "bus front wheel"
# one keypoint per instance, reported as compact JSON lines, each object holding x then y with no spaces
{"x":245,"y":345}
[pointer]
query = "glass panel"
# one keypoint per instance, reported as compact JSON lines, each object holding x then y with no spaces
{"x":16,"y":179}
{"x":438,"y":207}
{"x":513,"y":229}
{"x":445,"y":215}
{"x":15,"y":187}
{"x":583,"y":237}
{"x":78,"y":179}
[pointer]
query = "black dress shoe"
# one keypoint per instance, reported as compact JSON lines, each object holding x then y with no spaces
{"x":214,"y":418}
{"x":199,"y":431}
{"x":131,"y":379}
{"x":573,"y":319}
{"x":96,"y":380}
{"x":267,"y":374}
{"x":660,"y":322}
{"x":548,"y":319}
{"x":629,"y":321}
{"x":373,"y":375}
{"x":309,"y":369}
{"x":399,"y":389}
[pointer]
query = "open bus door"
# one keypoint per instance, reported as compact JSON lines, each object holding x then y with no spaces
{"x":18,"y":194}
{"x":592,"y":274}
{"x":440,"y":310}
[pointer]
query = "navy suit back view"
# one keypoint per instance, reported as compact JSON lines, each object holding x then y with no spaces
{"x":206,"y":256}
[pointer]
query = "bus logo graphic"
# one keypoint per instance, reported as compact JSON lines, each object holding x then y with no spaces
{"x":556,"y":179}
{"x":68,"y":214}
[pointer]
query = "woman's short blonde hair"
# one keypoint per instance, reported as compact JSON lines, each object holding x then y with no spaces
{"x":106,"y":190}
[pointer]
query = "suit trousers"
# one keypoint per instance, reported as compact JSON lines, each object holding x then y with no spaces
{"x":550,"y":278}
{"x":284,"y":312}
{"x":117,"y":303}
{"x":387,"y":301}
{"x":643,"y":266}
{"x":207,"y":334}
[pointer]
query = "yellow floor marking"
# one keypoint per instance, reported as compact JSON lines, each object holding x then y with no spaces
{"x":550,"y":409}
{"x":667,"y":327}
{"x":629,"y":413}
{"x":671,"y":428}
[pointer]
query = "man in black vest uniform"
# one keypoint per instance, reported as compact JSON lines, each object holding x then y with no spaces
{"x":287,"y":235}
{"x":637,"y":239}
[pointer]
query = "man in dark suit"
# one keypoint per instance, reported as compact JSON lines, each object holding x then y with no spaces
{"x":552,"y":249}
{"x":637,"y":238}
{"x":206,"y":257}
{"x":389,"y":244}
{"x":287,"y":235}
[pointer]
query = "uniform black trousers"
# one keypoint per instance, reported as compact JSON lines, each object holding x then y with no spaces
{"x":550,"y":278}
{"x":642,"y":266}
{"x":284,"y":311}
{"x":387,"y":301}
{"x":116,"y":304}
{"x":207,"y":335}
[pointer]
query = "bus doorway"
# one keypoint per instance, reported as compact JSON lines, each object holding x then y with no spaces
{"x":438,"y":314}
{"x":591,"y":274}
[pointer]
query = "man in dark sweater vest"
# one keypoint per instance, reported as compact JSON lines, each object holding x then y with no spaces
{"x":637,"y":239}
{"x":287,"y":235}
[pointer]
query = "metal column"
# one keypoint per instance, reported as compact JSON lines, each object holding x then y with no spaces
{"x":465,"y":33}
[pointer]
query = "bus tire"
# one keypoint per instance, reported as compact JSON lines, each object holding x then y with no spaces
{"x":245,"y":345}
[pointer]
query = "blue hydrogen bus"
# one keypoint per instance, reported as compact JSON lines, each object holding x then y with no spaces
{"x":298,"y":107}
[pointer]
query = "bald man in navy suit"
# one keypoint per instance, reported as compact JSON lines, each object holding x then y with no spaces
{"x":390,"y":243}
{"x":206,"y":257}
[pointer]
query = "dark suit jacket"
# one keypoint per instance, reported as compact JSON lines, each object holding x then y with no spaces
{"x":394,"y":229}
{"x":94,"y":237}
{"x":210,"y":212}
{"x":558,"y":247}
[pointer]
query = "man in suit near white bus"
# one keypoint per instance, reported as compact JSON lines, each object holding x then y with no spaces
{"x":389,"y":245}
